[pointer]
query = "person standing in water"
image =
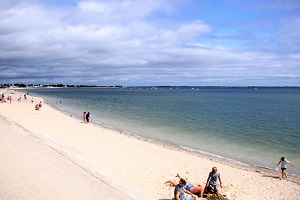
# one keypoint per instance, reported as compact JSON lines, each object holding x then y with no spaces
{"x":284,"y":163}
{"x":84,"y":117}
{"x":87,"y":117}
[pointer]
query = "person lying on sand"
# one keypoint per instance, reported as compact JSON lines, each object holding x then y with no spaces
{"x":197,"y":190}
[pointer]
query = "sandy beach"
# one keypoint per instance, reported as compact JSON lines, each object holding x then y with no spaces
{"x":134,"y":167}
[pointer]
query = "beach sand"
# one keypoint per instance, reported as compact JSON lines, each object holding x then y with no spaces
{"x":134,"y":166}
{"x":31,"y":169}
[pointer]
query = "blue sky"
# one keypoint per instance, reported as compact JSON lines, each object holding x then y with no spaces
{"x":150,"y":42}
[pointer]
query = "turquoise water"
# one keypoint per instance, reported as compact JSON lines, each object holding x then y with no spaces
{"x":253,"y":126}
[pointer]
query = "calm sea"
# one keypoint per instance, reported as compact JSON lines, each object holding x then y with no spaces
{"x":255,"y":126}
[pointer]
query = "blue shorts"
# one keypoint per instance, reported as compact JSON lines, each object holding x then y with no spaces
{"x":188,"y":187}
{"x":215,"y":187}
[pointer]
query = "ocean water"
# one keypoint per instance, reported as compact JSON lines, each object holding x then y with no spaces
{"x":253,"y":126}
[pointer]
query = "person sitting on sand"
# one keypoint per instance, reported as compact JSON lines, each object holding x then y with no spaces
{"x":212,"y":180}
{"x":37,"y":107}
{"x":284,"y":163}
{"x":40,"y":104}
{"x":179,"y":191}
{"x":197,"y":190}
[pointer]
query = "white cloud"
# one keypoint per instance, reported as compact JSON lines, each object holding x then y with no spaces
{"x":117,"y":42}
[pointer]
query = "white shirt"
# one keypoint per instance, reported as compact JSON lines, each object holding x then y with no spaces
{"x":284,"y":163}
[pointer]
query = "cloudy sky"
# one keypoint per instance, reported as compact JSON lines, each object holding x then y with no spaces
{"x":150,"y":42}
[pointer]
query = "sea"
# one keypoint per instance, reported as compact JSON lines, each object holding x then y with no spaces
{"x":248,"y":126}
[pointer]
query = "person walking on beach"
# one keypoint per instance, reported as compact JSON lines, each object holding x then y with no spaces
{"x":212,"y":180}
{"x":84,"y":117}
{"x":179,"y":191}
{"x":284,"y":163}
{"x":87,"y":117}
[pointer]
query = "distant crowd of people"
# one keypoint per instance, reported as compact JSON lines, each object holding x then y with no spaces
{"x":38,"y":106}
{"x":4,"y":100}
{"x":9,"y":99}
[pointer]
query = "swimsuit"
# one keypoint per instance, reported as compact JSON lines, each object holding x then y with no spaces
{"x":188,"y":187}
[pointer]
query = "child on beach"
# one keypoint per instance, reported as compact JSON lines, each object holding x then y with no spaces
{"x":284,"y":163}
{"x":212,"y":180}
{"x":179,"y":191}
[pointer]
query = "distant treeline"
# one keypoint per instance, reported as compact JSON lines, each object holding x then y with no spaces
{"x":21,"y":85}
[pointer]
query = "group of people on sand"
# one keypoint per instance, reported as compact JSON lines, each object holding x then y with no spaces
{"x":9,"y":98}
{"x":3,"y":100}
{"x":212,"y":186}
{"x":86,"y":117}
{"x":38,"y":106}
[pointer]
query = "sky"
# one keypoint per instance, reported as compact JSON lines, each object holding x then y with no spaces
{"x":150,"y":42}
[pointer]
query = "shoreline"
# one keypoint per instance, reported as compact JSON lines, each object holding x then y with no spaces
{"x":168,"y":149}
{"x":203,"y":154}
